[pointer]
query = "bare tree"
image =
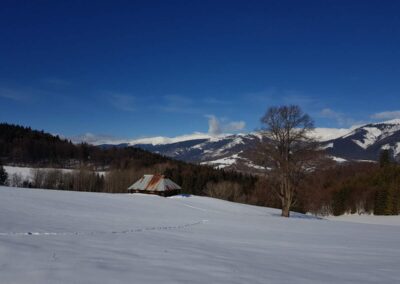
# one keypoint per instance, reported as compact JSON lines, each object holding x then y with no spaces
{"x":16,"y":180}
{"x":289,"y":151}
{"x":38,"y":176}
{"x":227,"y":190}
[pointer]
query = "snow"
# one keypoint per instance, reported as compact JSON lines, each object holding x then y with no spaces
{"x":338,"y":159}
{"x":397,"y":149}
{"x":370,"y":137}
{"x":366,"y":161}
{"x":156,"y":140}
{"x":254,"y":166}
{"x":160,"y":140}
{"x":367,"y":219}
{"x":198,"y":146}
{"x":257,"y":135}
{"x":235,"y":141}
{"x":223,"y":162}
{"x":320,"y":133}
{"x":392,"y":121}
{"x":327,"y":146}
{"x":95,"y":139}
{"x":26,"y":172}
{"x":325,"y":134}
{"x":230,"y":160}
{"x":49,"y":236}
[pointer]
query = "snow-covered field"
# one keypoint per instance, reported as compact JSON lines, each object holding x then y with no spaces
{"x":51,"y":236}
{"x":26,"y":172}
{"x":368,"y":219}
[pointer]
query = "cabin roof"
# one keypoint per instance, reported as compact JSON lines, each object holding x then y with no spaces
{"x":154,"y":183}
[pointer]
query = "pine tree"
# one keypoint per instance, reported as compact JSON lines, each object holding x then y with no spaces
{"x":3,"y":175}
{"x":339,"y":201}
{"x":380,"y":202}
{"x":384,"y":158}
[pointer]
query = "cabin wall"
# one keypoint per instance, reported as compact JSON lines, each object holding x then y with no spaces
{"x":160,"y":193}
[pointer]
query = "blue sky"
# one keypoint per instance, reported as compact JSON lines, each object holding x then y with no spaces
{"x":143,"y":68}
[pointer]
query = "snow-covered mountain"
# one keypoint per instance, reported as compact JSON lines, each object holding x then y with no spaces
{"x":229,"y":151}
{"x":221,"y":152}
{"x":366,"y":142}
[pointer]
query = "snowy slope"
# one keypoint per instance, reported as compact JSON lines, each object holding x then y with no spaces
{"x":75,"y":237}
{"x":366,"y":142}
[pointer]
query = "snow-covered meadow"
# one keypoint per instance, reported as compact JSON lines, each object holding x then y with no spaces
{"x":49,"y":236}
{"x":26,"y":173}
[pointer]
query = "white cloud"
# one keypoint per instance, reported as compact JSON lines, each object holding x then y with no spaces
{"x":216,"y":127}
{"x":386,"y":115}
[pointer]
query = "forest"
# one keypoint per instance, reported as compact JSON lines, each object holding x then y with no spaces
{"x":352,"y":187}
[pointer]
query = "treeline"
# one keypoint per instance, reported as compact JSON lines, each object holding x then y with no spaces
{"x":23,"y":146}
{"x":193,"y":180}
{"x":353,"y":188}
{"x":76,"y":180}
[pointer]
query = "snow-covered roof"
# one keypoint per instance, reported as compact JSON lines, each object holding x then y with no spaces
{"x":154,"y":183}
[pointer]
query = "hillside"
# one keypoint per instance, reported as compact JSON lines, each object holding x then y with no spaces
{"x":366,"y":142}
{"x":74,"y":237}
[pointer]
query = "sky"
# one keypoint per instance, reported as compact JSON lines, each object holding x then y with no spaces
{"x":134,"y":69}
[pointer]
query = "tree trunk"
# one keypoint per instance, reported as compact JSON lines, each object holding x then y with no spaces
{"x":285,"y":208}
{"x":286,"y":198}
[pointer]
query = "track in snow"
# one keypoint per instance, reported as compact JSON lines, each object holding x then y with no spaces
{"x":155,"y":228}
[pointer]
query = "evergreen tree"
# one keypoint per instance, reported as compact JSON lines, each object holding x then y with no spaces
{"x":3,"y":175}
{"x":339,"y":201}
{"x":380,"y":202}
{"x":384,"y":158}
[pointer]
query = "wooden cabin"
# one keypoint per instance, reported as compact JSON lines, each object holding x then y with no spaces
{"x":155,"y":184}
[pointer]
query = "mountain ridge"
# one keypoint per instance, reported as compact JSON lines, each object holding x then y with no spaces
{"x":360,"y":143}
